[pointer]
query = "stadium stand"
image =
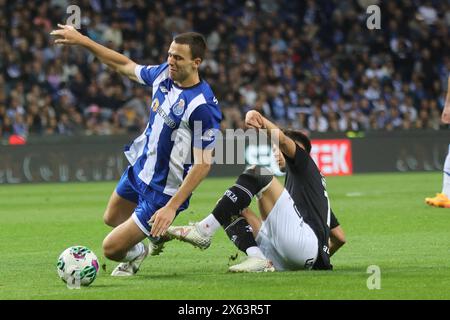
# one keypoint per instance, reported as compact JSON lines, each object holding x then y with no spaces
{"x":310,"y":65}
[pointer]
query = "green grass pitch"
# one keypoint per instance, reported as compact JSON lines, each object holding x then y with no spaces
{"x":384,"y":216}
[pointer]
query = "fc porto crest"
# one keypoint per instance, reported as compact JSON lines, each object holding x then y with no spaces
{"x":178,"y":108}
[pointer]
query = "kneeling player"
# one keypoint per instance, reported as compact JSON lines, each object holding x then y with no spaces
{"x":295,"y":230}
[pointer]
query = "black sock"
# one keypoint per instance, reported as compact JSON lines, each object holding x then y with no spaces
{"x":240,"y":232}
{"x":228,"y":212}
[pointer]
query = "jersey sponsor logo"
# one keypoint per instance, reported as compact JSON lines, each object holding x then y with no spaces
{"x":178,"y":108}
{"x":167,"y":120}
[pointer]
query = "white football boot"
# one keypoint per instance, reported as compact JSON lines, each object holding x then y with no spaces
{"x":127,"y":269}
{"x":190,"y":234}
{"x":253,"y":264}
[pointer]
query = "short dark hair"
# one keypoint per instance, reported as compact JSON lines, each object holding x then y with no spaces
{"x":195,"y":41}
{"x":299,"y":137}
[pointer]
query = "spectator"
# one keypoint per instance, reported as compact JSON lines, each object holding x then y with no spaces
{"x":263,"y":54}
{"x":316,"y":121}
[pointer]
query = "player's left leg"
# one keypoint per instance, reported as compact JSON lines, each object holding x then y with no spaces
{"x":124,"y":244}
{"x":122,"y":202}
{"x":118,"y":210}
{"x":253,"y":220}
{"x":446,"y":180}
{"x":442,"y":199}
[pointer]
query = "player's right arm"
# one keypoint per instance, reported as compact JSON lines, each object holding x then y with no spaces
{"x":116,"y":61}
{"x":253,"y":119}
{"x":337,"y":239}
{"x":446,"y":112}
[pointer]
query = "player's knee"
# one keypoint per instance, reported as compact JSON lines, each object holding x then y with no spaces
{"x":257,"y":172}
{"x":256,"y":178}
{"x":111,"y":251}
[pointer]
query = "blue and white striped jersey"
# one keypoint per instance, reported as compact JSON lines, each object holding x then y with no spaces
{"x":180,"y":119}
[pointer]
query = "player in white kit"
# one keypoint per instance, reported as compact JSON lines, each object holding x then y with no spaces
{"x":294,"y":232}
{"x":442,"y":199}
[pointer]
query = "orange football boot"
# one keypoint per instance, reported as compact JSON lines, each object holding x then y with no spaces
{"x":440,"y":201}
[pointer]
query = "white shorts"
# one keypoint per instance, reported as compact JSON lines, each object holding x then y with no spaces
{"x":286,"y":239}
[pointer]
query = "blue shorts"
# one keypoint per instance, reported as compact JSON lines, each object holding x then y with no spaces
{"x":147,"y":206}
{"x":148,"y":202}
{"x":125,"y":190}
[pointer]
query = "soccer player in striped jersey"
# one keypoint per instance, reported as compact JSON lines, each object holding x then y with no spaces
{"x":160,"y":178}
{"x":442,"y":200}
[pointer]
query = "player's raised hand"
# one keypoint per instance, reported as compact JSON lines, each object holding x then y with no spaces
{"x":68,"y":35}
{"x":253,"y":119}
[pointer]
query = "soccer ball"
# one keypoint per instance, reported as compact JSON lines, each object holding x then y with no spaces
{"x":77,"y":266}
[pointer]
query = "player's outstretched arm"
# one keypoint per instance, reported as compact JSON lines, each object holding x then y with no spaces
{"x":68,"y":35}
{"x":253,"y":119}
{"x":446,"y":112}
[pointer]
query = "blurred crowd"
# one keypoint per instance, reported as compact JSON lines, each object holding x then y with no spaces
{"x":311,"y":65}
